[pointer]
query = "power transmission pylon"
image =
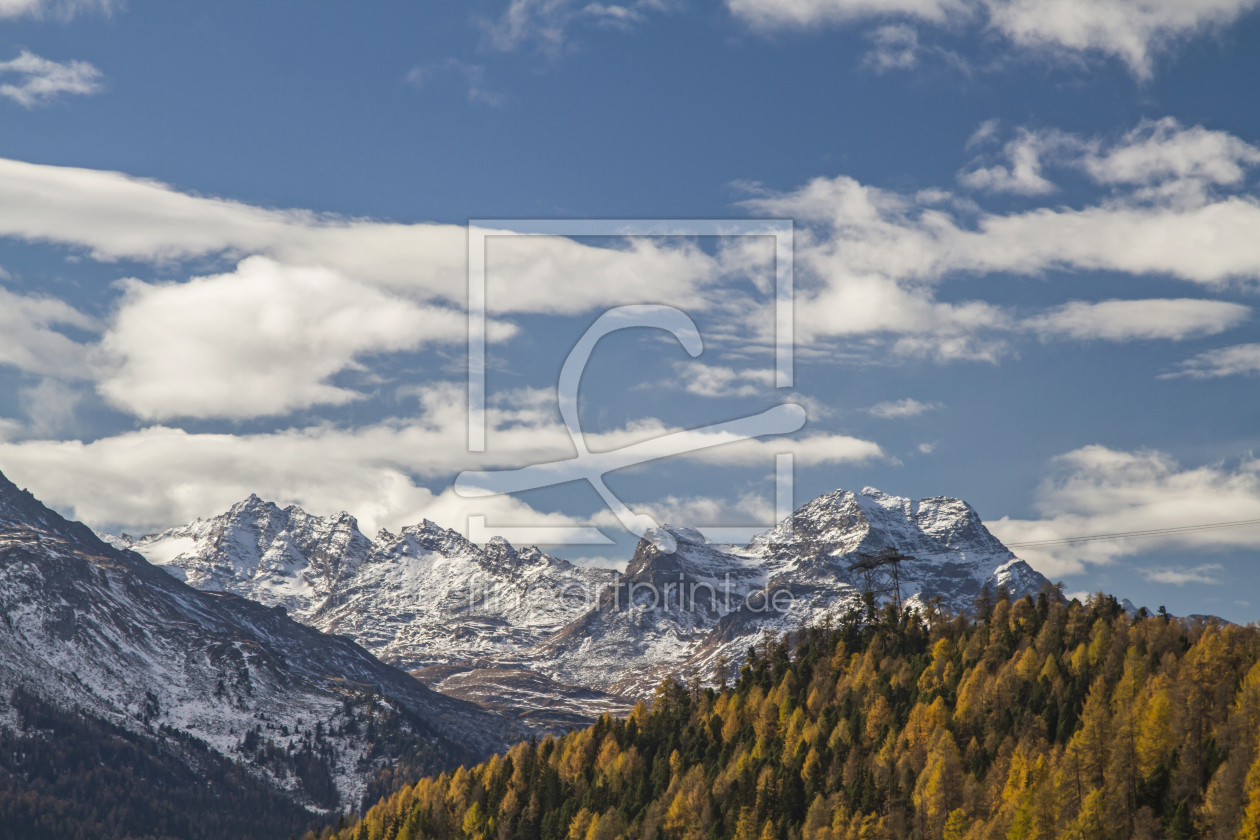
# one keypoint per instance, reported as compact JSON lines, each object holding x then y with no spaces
{"x":881,"y":574}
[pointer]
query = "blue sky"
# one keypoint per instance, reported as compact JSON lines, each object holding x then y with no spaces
{"x":1027,"y":253}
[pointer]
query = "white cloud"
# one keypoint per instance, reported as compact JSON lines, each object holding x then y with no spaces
{"x":546,"y":23}
{"x":560,"y":275}
{"x":1180,"y":577}
{"x":41,"y":80}
{"x":987,"y":131}
{"x":51,"y":407}
{"x":63,"y":9}
{"x":927,"y":448}
{"x":869,"y":260}
{"x":1173,"y":162}
{"x":775,"y":14}
{"x":1132,"y":31}
{"x":261,"y":340}
{"x":159,"y":476}
{"x":1159,"y":150}
{"x":901,"y":408}
{"x":1103,"y":491}
{"x":808,"y":451}
{"x":10,"y":429}
{"x":114,"y":216}
{"x":896,"y":48}
{"x":1241,"y":359}
{"x":721,"y":381}
{"x":748,"y":511}
{"x":873,"y":256}
{"x":29,"y":342}
{"x":1022,"y":172}
{"x":1127,"y":320}
{"x":718,"y":520}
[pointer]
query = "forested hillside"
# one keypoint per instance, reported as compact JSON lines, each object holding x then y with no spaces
{"x":1037,"y":720}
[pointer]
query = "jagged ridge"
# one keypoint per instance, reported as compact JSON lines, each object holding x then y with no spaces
{"x":428,"y":596}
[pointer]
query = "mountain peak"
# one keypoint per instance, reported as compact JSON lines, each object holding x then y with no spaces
{"x":254,"y":503}
{"x":21,"y":506}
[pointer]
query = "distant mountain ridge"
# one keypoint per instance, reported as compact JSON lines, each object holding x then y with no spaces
{"x":429,"y":599}
{"x":801,"y":564}
{"x":422,"y":597}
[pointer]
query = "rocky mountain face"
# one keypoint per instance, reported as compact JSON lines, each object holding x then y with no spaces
{"x":423,"y":597}
{"x":521,"y":631}
{"x":687,"y":611}
{"x":94,"y":630}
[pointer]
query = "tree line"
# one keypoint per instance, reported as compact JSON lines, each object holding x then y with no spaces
{"x":1030,"y":720}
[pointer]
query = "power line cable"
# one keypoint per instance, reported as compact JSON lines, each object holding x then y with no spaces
{"x":1128,"y":534}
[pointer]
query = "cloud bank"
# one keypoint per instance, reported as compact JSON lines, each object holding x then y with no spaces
{"x":1096,"y":490}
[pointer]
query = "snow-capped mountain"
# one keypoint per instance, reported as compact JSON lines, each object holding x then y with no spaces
{"x":277,"y":557}
{"x":94,"y":629}
{"x":428,"y":597}
{"x":422,"y":597}
{"x":716,"y":601}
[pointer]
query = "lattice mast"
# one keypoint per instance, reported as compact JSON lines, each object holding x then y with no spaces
{"x":881,"y":574}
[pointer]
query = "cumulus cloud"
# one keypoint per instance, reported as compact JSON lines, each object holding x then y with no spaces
{"x":1096,"y":490}
{"x":261,"y":340}
{"x":1169,"y":160}
{"x":160,"y":476}
{"x":869,"y":260}
{"x":1132,"y":31}
{"x":41,"y":80}
{"x":1239,"y":360}
{"x":114,"y":216}
{"x":1021,"y":173}
{"x":561,"y":275}
{"x":30,"y":341}
{"x":869,"y":263}
{"x":901,"y":408}
{"x":721,"y":381}
{"x":1157,"y":150}
{"x":145,"y":481}
{"x":1127,"y":320}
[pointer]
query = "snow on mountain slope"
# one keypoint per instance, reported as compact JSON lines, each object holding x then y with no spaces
{"x":278,"y":557}
{"x":419,"y":598}
{"x":680,"y":613}
{"x":91,"y":627}
{"x":429,"y":597}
